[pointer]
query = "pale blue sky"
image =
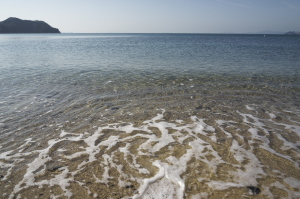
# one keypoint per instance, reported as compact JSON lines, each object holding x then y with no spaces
{"x":161,"y":16}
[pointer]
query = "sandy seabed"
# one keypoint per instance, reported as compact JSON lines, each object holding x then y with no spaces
{"x":191,"y":147}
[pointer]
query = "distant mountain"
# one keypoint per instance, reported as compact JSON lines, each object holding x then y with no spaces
{"x":15,"y":25}
{"x":267,"y":32}
{"x":292,"y":33}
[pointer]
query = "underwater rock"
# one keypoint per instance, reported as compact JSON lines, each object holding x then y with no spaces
{"x":254,"y":190}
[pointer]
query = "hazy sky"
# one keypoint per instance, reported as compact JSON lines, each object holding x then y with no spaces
{"x":162,"y":16}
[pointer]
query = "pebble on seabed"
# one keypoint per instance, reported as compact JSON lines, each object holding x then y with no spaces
{"x":254,"y":190}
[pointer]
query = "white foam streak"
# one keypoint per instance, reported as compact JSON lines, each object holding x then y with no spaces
{"x":143,"y":188}
{"x":249,"y":108}
{"x":253,"y":169}
{"x":170,"y":176}
{"x":222,"y":185}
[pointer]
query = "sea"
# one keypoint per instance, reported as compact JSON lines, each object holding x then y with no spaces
{"x":150,"y":116}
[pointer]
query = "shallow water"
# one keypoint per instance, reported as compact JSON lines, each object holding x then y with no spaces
{"x":149,"y":116}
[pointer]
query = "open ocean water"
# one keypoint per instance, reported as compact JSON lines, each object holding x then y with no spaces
{"x":161,"y":116}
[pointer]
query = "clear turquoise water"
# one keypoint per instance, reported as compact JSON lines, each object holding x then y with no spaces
{"x":78,"y":82}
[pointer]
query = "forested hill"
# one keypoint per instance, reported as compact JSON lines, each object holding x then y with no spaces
{"x":15,"y":25}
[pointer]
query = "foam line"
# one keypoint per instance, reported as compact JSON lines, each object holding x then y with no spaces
{"x":129,"y":157}
{"x":147,"y":182}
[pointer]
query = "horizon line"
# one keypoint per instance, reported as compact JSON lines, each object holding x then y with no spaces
{"x":250,"y":33}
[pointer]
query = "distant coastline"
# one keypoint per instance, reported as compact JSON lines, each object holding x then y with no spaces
{"x":15,"y":25}
{"x":292,"y":33}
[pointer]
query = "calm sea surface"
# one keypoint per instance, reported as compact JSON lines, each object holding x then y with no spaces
{"x":149,"y":116}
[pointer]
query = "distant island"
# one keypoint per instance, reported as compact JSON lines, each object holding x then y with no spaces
{"x":292,"y":33}
{"x":15,"y":25}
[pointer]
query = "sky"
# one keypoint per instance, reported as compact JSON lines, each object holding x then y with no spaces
{"x":158,"y":16}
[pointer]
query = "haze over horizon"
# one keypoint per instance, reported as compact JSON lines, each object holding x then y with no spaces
{"x":159,"y":16}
